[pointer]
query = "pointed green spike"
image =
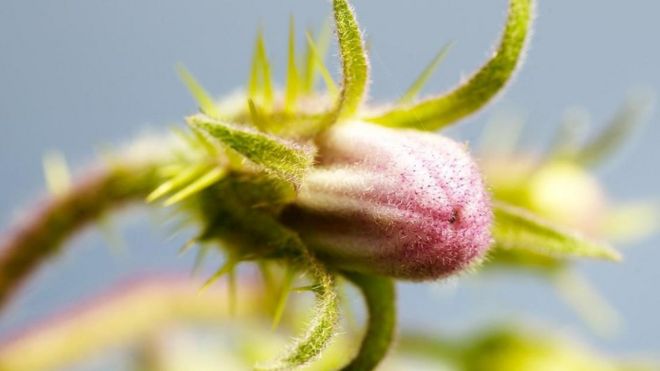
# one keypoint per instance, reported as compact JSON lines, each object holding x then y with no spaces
{"x":419,"y":83}
{"x":57,"y":173}
{"x":315,"y":57}
{"x":515,"y":228}
{"x":258,"y":120}
{"x":204,"y":100}
{"x":589,"y":304}
{"x":283,"y":296}
{"x":286,"y":159}
{"x":322,"y":68}
{"x":184,"y":136}
{"x":232,"y":293}
{"x":202,"y":141}
{"x":111,"y":235}
{"x":267,"y":80}
{"x":502,"y":133}
{"x":180,"y":180}
{"x":355,"y":65}
{"x":477,"y":91}
{"x":269,"y":95}
{"x":266,"y":275}
{"x":260,"y":85}
{"x":201,"y":255}
{"x":205,"y":181}
{"x":629,"y":116}
{"x":309,"y":69}
{"x":226,"y":268}
{"x":566,"y":140}
{"x":188,"y":245}
{"x":254,"y":80}
{"x":310,"y":288}
{"x":293,"y":76}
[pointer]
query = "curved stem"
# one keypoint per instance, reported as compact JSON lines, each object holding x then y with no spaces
{"x":42,"y":233}
{"x":380,"y":296}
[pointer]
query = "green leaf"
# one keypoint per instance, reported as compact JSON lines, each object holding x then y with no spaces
{"x":380,"y":296}
{"x":285,"y":159}
{"x":477,"y":91}
{"x":355,"y":66}
{"x":419,"y":83}
{"x":204,"y":100}
{"x":516,"y":228}
{"x":629,"y":116}
{"x":293,"y":76}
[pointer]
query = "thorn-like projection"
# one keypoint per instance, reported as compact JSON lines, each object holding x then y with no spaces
{"x":419,"y":83}
{"x":56,"y":172}
{"x":204,"y":100}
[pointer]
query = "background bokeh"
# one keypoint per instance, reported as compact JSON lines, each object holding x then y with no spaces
{"x":83,"y":75}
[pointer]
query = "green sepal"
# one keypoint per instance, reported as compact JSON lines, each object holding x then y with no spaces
{"x":516,"y":228}
{"x":438,"y":112}
{"x":244,"y":222}
{"x":285,"y":159}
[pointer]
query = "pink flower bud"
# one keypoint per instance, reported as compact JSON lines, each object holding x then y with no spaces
{"x":400,"y":203}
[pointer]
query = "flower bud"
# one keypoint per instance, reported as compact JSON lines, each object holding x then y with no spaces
{"x":400,"y":203}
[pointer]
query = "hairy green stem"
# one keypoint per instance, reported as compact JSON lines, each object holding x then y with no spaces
{"x":43,"y":232}
{"x":321,"y":328}
{"x":380,"y":296}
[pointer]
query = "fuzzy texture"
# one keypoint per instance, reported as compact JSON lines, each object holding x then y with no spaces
{"x":400,"y":203}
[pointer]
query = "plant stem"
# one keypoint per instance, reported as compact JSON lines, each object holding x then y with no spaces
{"x":43,"y":232}
{"x":380,"y":296}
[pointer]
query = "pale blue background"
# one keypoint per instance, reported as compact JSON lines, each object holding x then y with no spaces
{"x":77,"y":75}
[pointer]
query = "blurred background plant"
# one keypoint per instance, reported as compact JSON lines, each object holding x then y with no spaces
{"x":526,"y":179}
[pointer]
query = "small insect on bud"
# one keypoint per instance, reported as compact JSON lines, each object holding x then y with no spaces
{"x":399,"y":203}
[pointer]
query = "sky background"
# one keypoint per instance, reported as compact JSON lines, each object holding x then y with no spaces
{"x":77,"y":76}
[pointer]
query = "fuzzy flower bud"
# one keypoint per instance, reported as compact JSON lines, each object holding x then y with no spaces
{"x":400,"y":203}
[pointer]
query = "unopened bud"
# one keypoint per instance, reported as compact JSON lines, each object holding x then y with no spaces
{"x":400,"y":203}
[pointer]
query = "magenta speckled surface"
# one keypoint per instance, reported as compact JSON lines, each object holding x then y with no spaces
{"x":396,"y":202}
